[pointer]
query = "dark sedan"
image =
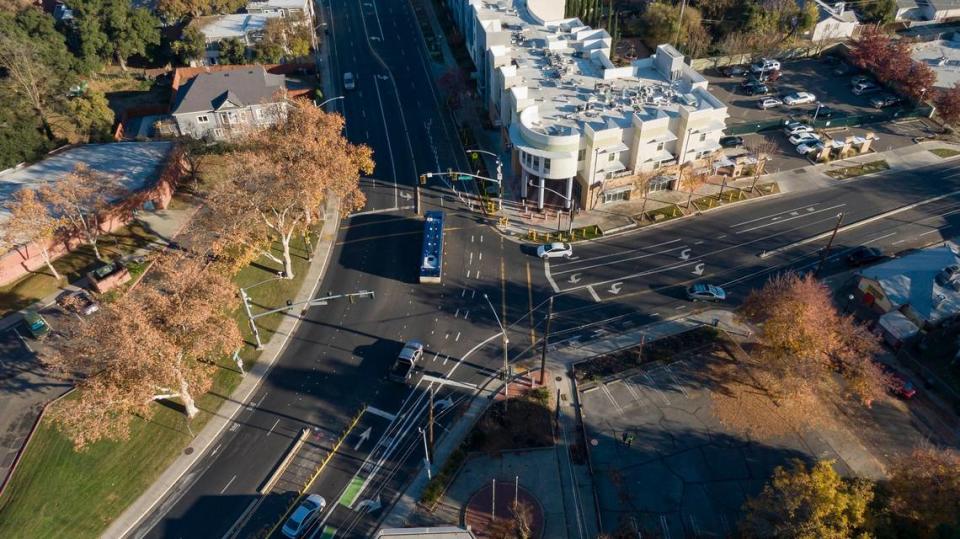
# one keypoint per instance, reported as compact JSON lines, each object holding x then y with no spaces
{"x":861,"y":256}
{"x":732,"y":141}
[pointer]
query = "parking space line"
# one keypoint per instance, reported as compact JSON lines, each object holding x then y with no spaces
{"x":603,"y":387}
{"x":665,"y":526}
{"x":594,"y":294}
{"x":676,"y":381}
{"x":636,"y":396}
{"x":653,"y":387}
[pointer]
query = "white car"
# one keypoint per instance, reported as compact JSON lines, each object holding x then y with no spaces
{"x":555,"y":250}
{"x":304,"y":516}
{"x":765,"y":64}
{"x":796,"y":129}
{"x":800,"y":98}
{"x":348,"y":81}
{"x":804,"y":138}
{"x":813,"y":146}
{"x":769,"y":103}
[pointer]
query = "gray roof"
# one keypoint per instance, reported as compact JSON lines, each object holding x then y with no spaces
{"x":909,"y":280}
{"x":242,"y":87}
{"x":829,"y":10}
{"x":132,"y":165}
{"x":942,"y":5}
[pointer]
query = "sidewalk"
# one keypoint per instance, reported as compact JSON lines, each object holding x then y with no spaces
{"x":140,"y":508}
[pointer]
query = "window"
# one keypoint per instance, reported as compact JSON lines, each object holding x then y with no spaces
{"x":581,"y":155}
{"x":546,"y":164}
{"x":202,"y":119}
{"x":616,"y":196}
{"x":703,"y":137}
{"x":259,"y":114}
{"x":659,"y":146}
{"x":536,"y":161}
{"x":218,"y":132}
{"x":613,"y":157}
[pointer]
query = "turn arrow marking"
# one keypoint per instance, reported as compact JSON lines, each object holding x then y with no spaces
{"x":575,"y":278}
{"x":698,"y":269}
{"x":685,"y":254}
{"x":615,"y":287}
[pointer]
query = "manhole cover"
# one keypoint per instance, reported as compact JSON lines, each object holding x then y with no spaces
{"x":188,"y":451}
{"x":559,"y":378}
{"x":594,"y":442}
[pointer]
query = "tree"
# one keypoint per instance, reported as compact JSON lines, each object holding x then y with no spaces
{"x":160,"y":341}
{"x":870,"y":49}
{"x":232,"y":51}
{"x":92,"y":115}
{"x":453,"y":85}
{"x":176,"y":10}
{"x":807,"y":17}
{"x":190,"y":46}
{"x":105,"y":29}
{"x":948,"y":104}
{"x":21,"y":136}
{"x":284,"y":38}
{"x":878,"y":11}
{"x":31,"y":222}
{"x":280,"y":178}
{"x":82,"y":200}
{"x":919,"y":80}
{"x":28,"y":76}
{"x":805,"y":340}
{"x":925,"y":490}
{"x":814,"y":503}
{"x":660,"y":23}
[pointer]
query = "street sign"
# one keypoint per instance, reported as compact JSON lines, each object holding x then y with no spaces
{"x":464,"y":177}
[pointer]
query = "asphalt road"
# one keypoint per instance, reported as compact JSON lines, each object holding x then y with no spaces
{"x":338,"y":358}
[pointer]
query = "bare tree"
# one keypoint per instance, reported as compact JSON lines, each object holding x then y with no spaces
{"x":761,"y":149}
{"x":161,"y":341}
{"x":81,"y":200}
{"x":31,"y":222}
{"x":28,"y":75}
{"x":925,"y":489}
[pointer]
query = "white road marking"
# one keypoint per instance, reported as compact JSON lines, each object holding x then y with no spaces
{"x":603,"y":387}
{"x":225,"y":487}
{"x":619,"y":253}
{"x":640,"y":274}
{"x":273,"y":427}
{"x":744,"y":230}
{"x":386,"y":131}
{"x":807,"y":207}
{"x":594,"y":294}
{"x":638,"y":257}
{"x":546,"y":271}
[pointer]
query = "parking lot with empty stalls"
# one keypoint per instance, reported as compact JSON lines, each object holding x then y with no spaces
{"x":666,"y":466}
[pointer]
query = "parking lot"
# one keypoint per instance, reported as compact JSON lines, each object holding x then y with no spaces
{"x":667,"y":466}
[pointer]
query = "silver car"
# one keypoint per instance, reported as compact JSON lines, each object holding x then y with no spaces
{"x":304,"y":516}
{"x":555,"y":250}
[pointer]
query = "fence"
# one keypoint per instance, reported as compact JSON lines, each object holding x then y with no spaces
{"x":701,"y":64}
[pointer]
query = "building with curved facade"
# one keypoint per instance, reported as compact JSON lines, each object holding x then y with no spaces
{"x":582,"y":129}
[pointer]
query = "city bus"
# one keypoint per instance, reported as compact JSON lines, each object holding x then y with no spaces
{"x":431,"y":255}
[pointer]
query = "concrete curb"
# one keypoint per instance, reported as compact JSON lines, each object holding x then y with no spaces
{"x":142,"y":506}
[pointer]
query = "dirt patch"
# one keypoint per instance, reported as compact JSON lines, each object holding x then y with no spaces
{"x":519,"y":423}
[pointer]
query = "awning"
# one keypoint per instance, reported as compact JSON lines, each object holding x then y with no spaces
{"x":665,"y":137}
{"x":614,"y":166}
{"x":661,"y":156}
{"x":725,"y":162}
{"x":614,"y":148}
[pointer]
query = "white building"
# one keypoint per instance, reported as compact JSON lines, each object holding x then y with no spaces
{"x":248,"y":27}
{"x":284,"y":8}
{"x":835,"y":22}
{"x":581,"y":127}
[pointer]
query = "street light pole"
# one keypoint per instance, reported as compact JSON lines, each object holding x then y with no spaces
{"x":329,"y":100}
{"x":499,"y":174}
{"x":826,"y":250}
{"x":246,"y":307}
{"x":546,"y":339}
{"x":506,"y":341}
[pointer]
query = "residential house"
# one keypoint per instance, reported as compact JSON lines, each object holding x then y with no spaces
{"x":908,"y":11}
{"x":221,"y":104}
{"x":835,"y":22}
{"x":285,"y":8}
{"x":247,"y":27}
{"x":581,"y":129}
{"x":907,"y":289}
{"x":939,"y":10}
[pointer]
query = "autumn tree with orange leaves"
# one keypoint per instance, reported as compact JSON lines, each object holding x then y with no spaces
{"x":30,"y":222}
{"x":279,"y":179}
{"x":804,"y":340}
{"x":160,"y":341}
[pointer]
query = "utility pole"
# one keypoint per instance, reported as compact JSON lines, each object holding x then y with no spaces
{"x":546,"y":339}
{"x":826,"y":250}
{"x":417,"y":205}
{"x":426,"y":454}
{"x":250,"y":318}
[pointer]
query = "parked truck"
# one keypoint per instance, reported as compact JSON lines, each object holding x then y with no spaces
{"x":407,"y":359}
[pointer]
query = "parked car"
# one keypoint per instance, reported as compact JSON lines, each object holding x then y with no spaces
{"x":824,"y":113}
{"x":795,"y":128}
{"x":799,"y":98}
{"x":731,"y":141}
{"x":36,"y":324}
{"x":766,"y":76}
{"x":734,"y":71}
{"x":860,"y":79}
{"x":765,"y":64}
{"x":348,"y":81}
{"x":757,"y":89}
{"x":804,"y":149}
{"x":865,"y":88}
{"x":948,"y":275}
{"x":769,"y":103}
{"x":863,"y":255}
{"x":706,"y":292}
{"x":555,"y":250}
{"x":406,"y":360}
{"x":80,"y":302}
{"x":897,"y":383}
{"x":806,"y":137}
{"x":884,"y":100}
{"x":304,"y":516}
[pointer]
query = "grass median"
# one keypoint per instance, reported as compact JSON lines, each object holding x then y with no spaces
{"x":843,"y":173}
{"x":57,"y":492}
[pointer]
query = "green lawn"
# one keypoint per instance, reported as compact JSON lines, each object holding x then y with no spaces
{"x":57,"y":492}
{"x":858,"y":170}
{"x":663,"y":214}
{"x":944,"y":152}
{"x":72,"y":266}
